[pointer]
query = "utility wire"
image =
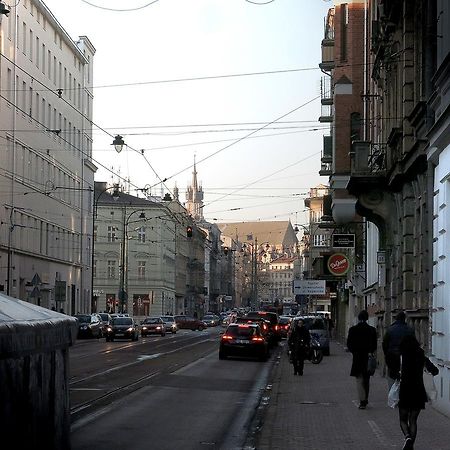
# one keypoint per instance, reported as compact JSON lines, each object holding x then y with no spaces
{"x":120,"y":10}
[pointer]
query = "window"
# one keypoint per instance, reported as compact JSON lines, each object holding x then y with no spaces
{"x":24,"y":38}
{"x":141,"y":234}
{"x":112,"y":237}
{"x":141,"y":270}
{"x":37,"y":51}
{"x":94,"y":269}
{"x":31,"y":43}
{"x":111,"y":269}
{"x":43,"y":58}
{"x":9,"y":83}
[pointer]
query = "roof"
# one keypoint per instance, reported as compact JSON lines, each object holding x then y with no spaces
{"x":279,"y":233}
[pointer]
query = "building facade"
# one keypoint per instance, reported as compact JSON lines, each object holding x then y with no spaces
{"x":47,"y":171}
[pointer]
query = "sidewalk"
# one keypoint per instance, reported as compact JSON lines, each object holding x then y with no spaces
{"x":320,"y":411}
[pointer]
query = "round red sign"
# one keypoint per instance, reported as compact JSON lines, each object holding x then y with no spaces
{"x":338,"y":264}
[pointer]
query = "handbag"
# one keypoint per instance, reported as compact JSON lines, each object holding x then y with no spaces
{"x":430,"y":387}
{"x":394,"y":394}
{"x":371,"y":365}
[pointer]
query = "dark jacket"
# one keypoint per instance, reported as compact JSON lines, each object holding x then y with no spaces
{"x":361,"y":340}
{"x":391,"y":346}
{"x":299,"y":339}
{"x":412,"y":390}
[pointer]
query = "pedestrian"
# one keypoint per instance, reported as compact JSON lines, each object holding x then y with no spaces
{"x":412,"y":396}
{"x":391,"y":346}
{"x":299,"y":341}
{"x":361,"y":340}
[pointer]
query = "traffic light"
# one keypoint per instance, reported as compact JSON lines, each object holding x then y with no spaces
{"x":189,"y":231}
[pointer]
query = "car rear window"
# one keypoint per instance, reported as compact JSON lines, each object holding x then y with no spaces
{"x":104,"y":316}
{"x":167,"y":319}
{"x":272,"y":317}
{"x":241,"y":331}
{"x":152,"y":320}
{"x":84,"y":319}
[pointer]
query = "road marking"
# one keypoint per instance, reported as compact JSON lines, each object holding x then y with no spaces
{"x":86,"y":389}
{"x":379,"y":434}
{"x":146,"y":357}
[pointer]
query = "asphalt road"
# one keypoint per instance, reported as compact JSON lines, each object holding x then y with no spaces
{"x":162,"y":392}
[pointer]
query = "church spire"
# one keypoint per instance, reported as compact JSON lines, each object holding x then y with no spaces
{"x":194,"y":197}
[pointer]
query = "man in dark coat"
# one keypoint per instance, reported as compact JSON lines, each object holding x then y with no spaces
{"x":299,"y":341}
{"x":391,"y":345}
{"x":361,"y":340}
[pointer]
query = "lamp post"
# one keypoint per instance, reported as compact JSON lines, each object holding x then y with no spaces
{"x":254,"y":272}
{"x":123,"y":296}
{"x":115,"y":196}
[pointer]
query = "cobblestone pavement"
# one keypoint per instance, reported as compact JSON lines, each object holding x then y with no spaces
{"x":320,"y":411}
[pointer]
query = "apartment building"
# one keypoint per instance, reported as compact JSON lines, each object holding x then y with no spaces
{"x":46,"y":175}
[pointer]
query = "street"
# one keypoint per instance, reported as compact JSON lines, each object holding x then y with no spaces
{"x":172,"y":391}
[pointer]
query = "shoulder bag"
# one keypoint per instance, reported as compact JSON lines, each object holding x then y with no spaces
{"x":371,"y":364}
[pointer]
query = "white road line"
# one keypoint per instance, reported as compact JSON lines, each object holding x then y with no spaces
{"x":379,"y":434}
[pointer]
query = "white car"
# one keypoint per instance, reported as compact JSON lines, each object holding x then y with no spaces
{"x":170,"y":324}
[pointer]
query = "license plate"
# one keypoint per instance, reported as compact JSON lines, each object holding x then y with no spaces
{"x":241,"y":341}
{"x":119,"y":334}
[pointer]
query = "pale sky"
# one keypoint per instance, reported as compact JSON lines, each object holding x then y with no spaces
{"x":247,"y":173}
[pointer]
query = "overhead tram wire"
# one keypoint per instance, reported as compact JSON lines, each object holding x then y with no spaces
{"x":120,"y":10}
{"x":239,"y":139}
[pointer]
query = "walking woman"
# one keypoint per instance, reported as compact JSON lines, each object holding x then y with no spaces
{"x":299,"y":342}
{"x":412,"y":397}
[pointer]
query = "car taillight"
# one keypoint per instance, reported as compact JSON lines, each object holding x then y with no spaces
{"x":227,"y":337}
{"x":158,"y":328}
{"x":276,"y":327}
{"x":257,"y":339}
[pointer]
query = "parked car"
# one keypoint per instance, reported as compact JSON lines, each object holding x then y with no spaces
{"x":153,"y":325}
{"x":274,"y":327}
{"x":243,"y":340}
{"x":316,"y":325}
{"x":122,"y":328}
{"x":189,"y":323}
{"x":89,"y":326}
{"x":211,"y":320}
{"x":170,"y":324}
{"x":106,"y":319}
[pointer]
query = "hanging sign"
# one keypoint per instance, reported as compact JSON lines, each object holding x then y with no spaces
{"x":338,"y":264}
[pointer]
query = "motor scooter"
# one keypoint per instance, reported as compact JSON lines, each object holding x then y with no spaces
{"x":315,"y":353}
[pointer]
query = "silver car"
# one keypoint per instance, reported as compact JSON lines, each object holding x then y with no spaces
{"x":170,"y":324}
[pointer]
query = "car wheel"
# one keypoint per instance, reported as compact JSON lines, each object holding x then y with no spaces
{"x":326,"y":351}
{"x":111,"y":339}
{"x":222,"y":355}
{"x":107,"y":339}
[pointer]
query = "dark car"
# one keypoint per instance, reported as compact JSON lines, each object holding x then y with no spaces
{"x":272,"y":317}
{"x":284,"y":322}
{"x":153,"y":325}
{"x":106,"y":319}
{"x":189,"y":323}
{"x":89,"y":325}
{"x":122,"y":328}
{"x":264,"y":325}
{"x":211,"y":320}
{"x":245,"y":340}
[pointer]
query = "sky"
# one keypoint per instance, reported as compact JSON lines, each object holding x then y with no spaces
{"x":231,"y":84}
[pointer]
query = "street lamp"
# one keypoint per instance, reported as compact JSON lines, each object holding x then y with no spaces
{"x":254,"y":265}
{"x":126,"y":220}
{"x":118,"y":143}
{"x":115,"y":195}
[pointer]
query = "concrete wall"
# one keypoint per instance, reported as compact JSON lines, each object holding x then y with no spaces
{"x":34,"y":393}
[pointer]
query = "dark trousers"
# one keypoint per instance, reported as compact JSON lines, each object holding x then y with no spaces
{"x":298,"y":361}
{"x":362,"y":385}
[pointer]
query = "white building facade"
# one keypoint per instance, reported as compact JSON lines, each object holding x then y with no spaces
{"x":47,"y":173}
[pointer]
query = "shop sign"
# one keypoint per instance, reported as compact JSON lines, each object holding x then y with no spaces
{"x":338,"y":264}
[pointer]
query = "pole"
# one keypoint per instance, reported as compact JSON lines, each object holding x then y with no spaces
{"x":256,"y":274}
{"x":122,"y":265}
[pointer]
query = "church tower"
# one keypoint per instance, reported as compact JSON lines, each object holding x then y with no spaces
{"x":194,"y":198}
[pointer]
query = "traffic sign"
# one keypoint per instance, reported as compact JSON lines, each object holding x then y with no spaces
{"x":309,"y":287}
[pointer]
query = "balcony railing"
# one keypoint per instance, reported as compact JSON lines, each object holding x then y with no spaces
{"x":326,"y":91}
{"x":368,"y":158}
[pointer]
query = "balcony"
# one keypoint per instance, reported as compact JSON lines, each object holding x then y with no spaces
{"x":327,"y":156}
{"x":327,"y":113}
{"x":368,"y":166}
{"x":326,"y":91}
{"x":327,"y":63}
